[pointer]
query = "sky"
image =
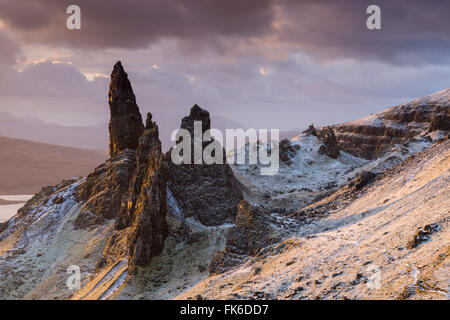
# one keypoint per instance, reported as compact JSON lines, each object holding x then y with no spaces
{"x":262,"y":63}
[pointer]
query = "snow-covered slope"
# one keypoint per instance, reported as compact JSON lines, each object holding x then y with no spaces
{"x":388,"y":240}
{"x":312,"y":175}
{"x":39,"y":244}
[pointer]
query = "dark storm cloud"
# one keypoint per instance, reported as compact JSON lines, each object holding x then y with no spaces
{"x":412,"y":30}
{"x":133,"y":23}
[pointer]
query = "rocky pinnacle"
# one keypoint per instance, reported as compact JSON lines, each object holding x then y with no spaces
{"x":125,"y":125}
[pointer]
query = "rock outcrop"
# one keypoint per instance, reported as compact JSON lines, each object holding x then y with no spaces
{"x":311,"y":131}
{"x":125,"y":125}
{"x":250,"y":234}
{"x":208,"y":192}
{"x":330,"y":145}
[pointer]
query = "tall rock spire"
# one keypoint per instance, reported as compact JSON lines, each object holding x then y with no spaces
{"x":125,"y":125}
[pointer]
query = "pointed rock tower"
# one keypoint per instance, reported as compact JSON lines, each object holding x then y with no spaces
{"x":209,"y":192}
{"x":125,"y":125}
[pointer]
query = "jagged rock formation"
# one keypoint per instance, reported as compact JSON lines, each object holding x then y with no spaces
{"x":102,"y":192}
{"x":310,"y":131}
{"x":125,"y":125}
{"x":209,"y":192}
{"x":330,"y":145}
{"x":131,"y":186}
{"x":250,"y":234}
{"x":371,"y":136}
{"x":141,"y":227}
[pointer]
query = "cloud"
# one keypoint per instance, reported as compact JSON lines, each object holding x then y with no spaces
{"x":277,"y":63}
{"x":54,"y":92}
{"x":136,"y":24}
{"x":413,"y":31}
{"x":10,"y":50}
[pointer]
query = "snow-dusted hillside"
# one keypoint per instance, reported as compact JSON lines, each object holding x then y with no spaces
{"x":312,"y":175}
{"x":389,"y":240}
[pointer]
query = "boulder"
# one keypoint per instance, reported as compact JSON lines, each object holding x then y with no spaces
{"x":287,"y":151}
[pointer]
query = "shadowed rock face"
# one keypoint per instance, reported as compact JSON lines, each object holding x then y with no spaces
{"x":311,"y":130}
{"x":210,"y":193}
{"x":287,"y":151}
{"x":196,"y":114}
{"x":125,"y":125}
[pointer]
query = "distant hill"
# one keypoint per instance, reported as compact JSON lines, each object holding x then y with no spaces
{"x":31,"y":128}
{"x":26,"y":166}
{"x":94,"y":137}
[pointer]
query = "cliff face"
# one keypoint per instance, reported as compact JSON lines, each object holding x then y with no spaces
{"x":371,"y":136}
{"x":209,"y":192}
{"x":102,"y":192}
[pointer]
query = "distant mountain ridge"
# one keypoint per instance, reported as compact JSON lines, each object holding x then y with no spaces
{"x":30,"y":128}
{"x":93,"y":137}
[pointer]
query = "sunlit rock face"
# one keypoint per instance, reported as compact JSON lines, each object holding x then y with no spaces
{"x":131,"y":186}
{"x":125,"y":125}
{"x":208,"y":192}
{"x":141,"y":226}
{"x":103,"y":189}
